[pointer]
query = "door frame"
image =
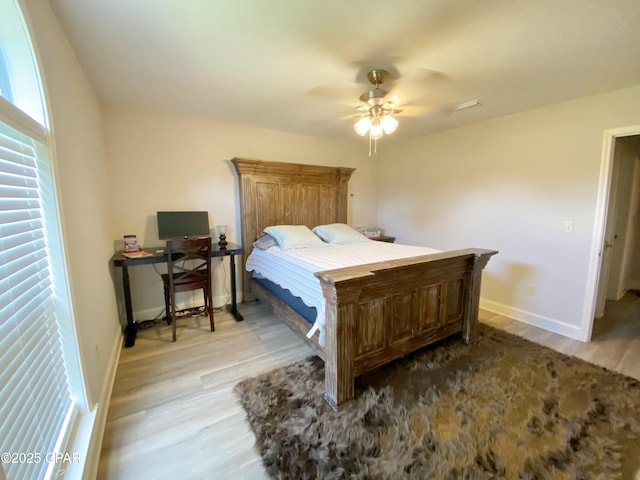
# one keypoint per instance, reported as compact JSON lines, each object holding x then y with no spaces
{"x":599,"y":227}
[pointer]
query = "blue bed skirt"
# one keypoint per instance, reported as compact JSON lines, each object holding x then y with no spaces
{"x":308,"y":313}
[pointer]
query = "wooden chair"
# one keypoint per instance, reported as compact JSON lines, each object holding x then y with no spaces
{"x":188,"y":268}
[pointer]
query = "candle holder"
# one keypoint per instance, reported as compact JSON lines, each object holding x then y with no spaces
{"x":222,"y":231}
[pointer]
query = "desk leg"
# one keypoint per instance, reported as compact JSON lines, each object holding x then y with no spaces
{"x":131,"y":328}
{"x":233,"y":308}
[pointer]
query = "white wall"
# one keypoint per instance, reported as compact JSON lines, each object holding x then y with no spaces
{"x":509,"y":184}
{"x":168,"y":162}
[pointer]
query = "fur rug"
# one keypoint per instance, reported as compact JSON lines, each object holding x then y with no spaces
{"x":503,"y":408}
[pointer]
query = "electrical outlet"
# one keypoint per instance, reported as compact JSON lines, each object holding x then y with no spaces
{"x":531,"y":289}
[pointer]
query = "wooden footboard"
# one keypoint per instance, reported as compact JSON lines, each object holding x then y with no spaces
{"x":378,"y":312}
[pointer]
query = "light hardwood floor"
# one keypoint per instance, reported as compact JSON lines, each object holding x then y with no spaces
{"x":173,"y":414}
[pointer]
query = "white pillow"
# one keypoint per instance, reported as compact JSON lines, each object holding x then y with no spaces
{"x":294,"y":236}
{"x":339,"y":233}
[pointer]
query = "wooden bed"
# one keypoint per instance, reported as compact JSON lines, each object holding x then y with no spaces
{"x":376,"y":312}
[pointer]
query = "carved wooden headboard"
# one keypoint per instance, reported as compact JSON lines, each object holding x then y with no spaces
{"x":278,"y":193}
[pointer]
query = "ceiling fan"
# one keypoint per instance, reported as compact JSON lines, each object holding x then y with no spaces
{"x":375,"y":115}
{"x":417,"y":93}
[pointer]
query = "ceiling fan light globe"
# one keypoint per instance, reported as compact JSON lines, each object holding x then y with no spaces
{"x":376,"y":132}
{"x":389,"y":124}
{"x":362,"y":126}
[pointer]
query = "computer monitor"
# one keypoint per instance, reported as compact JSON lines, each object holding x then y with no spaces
{"x":182,"y":225}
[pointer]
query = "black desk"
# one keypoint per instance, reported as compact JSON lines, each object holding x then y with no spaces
{"x":158,"y":255}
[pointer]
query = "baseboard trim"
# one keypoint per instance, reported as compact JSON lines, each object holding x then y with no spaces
{"x":102,"y":409}
{"x":549,"y":324}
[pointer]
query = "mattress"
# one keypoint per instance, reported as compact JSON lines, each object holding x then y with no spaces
{"x":294,"y":269}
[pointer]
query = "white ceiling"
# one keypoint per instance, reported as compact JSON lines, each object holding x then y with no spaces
{"x":299,"y":66}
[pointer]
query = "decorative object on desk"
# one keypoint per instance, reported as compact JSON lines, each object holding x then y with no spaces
{"x":131,"y":243}
{"x":502,"y":408}
{"x":222,"y":232}
{"x":370,"y":232}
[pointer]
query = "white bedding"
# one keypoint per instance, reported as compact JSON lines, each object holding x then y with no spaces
{"x":294,"y":269}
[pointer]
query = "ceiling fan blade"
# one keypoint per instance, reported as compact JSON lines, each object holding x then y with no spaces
{"x":411,"y":87}
{"x":344,"y":93}
{"x":428,"y":76}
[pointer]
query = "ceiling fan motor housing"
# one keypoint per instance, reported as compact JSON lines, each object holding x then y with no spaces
{"x":375,"y":95}
{"x":377,"y":76}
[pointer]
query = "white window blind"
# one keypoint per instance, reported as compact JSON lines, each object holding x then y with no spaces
{"x":36,"y":407}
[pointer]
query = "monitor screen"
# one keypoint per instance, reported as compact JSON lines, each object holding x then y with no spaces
{"x":183,"y":224}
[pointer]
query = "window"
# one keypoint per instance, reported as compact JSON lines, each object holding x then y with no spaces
{"x":38,"y":362}
{"x":5,"y":84}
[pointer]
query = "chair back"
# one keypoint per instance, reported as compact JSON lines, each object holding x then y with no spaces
{"x":189,"y":263}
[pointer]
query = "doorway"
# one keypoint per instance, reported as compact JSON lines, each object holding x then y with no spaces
{"x":619,"y":253}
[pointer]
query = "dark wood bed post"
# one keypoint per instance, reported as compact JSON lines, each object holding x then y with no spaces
{"x":247,"y":169}
{"x":339,"y":372}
